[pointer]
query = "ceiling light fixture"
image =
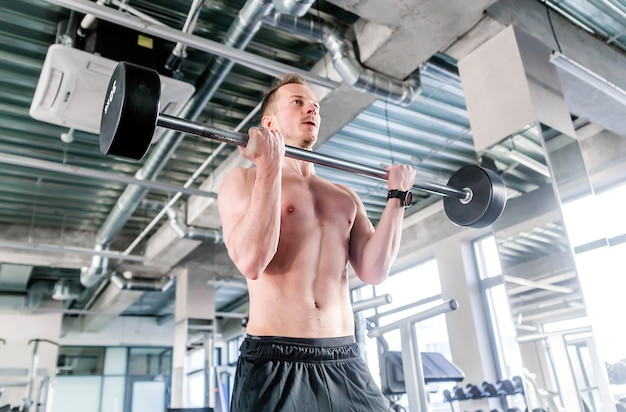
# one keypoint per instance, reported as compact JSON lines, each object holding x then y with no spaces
{"x":592,"y":79}
{"x":522,"y":159}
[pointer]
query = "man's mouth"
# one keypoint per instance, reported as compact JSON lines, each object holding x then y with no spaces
{"x":310,"y":123}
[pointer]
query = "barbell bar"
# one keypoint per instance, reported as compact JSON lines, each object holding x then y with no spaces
{"x":474,"y":196}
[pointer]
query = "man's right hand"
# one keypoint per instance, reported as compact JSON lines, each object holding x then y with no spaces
{"x":265,"y":148}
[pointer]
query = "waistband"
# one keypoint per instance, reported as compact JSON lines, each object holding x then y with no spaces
{"x":300,"y":349}
{"x":338,"y":341}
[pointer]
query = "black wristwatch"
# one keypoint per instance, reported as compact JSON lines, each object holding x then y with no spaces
{"x":405,"y":197}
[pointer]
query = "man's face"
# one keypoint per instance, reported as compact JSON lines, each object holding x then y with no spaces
{"x":295,"y":115}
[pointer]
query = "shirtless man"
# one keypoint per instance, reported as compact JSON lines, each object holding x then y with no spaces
{"x":292,"y":234}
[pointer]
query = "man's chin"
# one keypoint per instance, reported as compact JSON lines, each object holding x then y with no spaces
{"x":309,"y":143}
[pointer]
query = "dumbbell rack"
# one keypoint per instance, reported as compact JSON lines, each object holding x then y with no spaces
{"x":502,"y":389}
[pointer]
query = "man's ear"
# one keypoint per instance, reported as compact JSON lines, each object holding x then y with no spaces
{"x":267,"y":121}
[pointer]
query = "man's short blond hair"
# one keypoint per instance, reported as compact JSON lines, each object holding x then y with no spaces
{"x":270,"y":95}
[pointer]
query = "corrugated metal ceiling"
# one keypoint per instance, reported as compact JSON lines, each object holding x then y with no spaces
{"x":432,"y":133}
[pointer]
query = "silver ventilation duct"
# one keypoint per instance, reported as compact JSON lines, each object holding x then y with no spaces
{"x":180,"y":228}
{"x":90,"y":275}
{"x":296,"y":8}
{"x":401,"y":92}
{"x":143,"y":285}
{"x":186,"y":232}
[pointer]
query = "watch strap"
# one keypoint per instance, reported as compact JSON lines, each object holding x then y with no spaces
{"x":399,"y":194}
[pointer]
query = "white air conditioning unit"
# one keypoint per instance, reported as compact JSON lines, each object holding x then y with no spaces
{"x":72,"y":85}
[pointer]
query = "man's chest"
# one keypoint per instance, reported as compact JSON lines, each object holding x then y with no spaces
{"x":315,"y":201}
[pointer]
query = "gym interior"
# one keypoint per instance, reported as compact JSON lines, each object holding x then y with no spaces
{"x":117,"y":293}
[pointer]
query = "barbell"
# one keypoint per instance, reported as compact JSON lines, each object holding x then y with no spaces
{"x":473,"y":197}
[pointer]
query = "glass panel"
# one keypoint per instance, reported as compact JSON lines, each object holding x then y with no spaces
{"x":150,"y":361}
{"x":76,"y":394}
{"x":115,"y":361}
{"x":233,"y":349}
{"x":74,"y":361}
{"x":113,"y":392}
{"x":195,"y":389}
{"x":148,"y":396}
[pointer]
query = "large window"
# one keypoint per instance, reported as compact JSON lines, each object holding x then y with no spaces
{"x":412,"y":290}
{"x":599,"y":240}
{"x":504,"y":336}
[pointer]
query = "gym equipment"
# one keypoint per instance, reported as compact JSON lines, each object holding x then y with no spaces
{"x":412,"y":364}
{"x":474,"y":392}
{"x":518,"y":384}
{"x":507,"y":386}
{"x":435,"y":366}
{"x":490,"y":389}
{"x":475,"y":197}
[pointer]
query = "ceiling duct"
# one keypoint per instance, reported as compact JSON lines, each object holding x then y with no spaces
{"x":142,"y":285}
{"x":296,"y":8}
{"x":385,"y":87}
{"x":64,"y":290}
{"x":14,"y":278}
{"x":590,"y":96}
{"x":180,"y":227}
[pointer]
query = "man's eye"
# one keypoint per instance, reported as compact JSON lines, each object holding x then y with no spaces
{"x":297,"y":101}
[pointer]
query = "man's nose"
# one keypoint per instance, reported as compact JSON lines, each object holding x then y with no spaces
{"x":312,"y":108}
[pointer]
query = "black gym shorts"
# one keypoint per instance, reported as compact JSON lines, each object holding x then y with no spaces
{"x":304,"y":375}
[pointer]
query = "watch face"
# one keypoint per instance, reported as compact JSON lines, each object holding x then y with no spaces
{"x":408,"y":199}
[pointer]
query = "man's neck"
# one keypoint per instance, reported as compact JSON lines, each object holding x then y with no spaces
{"x":300,"y":167}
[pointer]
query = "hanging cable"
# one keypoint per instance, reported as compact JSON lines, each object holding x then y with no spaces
{"x":552,"y":26}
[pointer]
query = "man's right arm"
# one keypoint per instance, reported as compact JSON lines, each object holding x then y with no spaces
{"x":249,"y":207}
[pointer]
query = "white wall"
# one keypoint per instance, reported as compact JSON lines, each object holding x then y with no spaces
{"x":16,"y":354}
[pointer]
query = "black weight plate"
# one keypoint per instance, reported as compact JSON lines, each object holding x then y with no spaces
{"x":489,"y":197}
{"x":130,"y":111}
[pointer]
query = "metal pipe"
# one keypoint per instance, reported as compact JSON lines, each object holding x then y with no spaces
{"x":175,"y":58}
{"x":252,"y":61}
{"x":447,"y":306}
{"x":545,"y":335}
{"x":144,"y":285}
{"x":344,"y":59}
{"x":240,"y":139}
{"x":32,"y":371}
{"x":98,"y":174}
{"x":293,"y":7}
{"x":185,"y":232}
{"x":402,"y":308}
{"x":45,"y":247}
{"x":371,"y":303}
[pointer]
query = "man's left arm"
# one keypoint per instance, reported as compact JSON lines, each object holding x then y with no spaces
{"x":372,"y":252}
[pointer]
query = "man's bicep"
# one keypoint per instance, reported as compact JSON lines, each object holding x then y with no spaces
{"x":232,"y":200}
{"x":362,"y":231}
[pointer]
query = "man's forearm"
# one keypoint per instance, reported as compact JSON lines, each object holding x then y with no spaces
{"x":382,"y":248}
{"x":254,"y":240}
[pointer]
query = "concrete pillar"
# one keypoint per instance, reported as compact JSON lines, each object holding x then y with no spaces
{"x":467,"y":328}
{"x":194,"y":315}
